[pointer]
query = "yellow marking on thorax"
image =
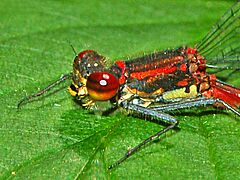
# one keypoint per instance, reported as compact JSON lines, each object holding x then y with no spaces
{"x":180,"y":93}
{"x":145,"y":94}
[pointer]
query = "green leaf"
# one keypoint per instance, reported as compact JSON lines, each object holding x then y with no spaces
{"x":53,"y":138}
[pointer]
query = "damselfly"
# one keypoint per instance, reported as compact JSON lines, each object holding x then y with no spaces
{"x":162,"y":81}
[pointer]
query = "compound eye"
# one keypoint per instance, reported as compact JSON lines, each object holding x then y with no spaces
{"x":83,"y":53}
{"x":102,"y":86}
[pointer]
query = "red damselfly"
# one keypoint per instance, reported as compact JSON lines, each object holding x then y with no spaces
{"x":162,"y":81}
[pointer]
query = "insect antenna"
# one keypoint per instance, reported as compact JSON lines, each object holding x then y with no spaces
{"x":75,"y":52}
{"x":45,"y":90}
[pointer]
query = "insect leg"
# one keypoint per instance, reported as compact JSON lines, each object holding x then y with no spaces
{"x":148,"y":112}
{"x":201,"y":101}
{"x":43,"y":91}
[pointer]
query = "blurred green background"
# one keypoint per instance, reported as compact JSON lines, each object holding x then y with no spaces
{"x":53,"y":138}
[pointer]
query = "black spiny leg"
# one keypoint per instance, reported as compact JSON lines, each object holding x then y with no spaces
{"x":194,"y":102}
{"x":148,"y":112}
{"x":43,"y":91}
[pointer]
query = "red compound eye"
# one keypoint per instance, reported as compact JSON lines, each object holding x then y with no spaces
{"x":102,"y":86}
{"x":83,"y":53}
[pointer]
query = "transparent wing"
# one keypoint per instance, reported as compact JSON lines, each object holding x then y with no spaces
{"x":221,"y":46}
